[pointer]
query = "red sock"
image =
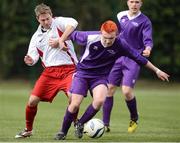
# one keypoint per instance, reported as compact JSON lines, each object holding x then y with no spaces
{"x":30,"y":114}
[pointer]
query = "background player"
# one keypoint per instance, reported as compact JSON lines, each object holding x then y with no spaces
{"x":136,"y":28}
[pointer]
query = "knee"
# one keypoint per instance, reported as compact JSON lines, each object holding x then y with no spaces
{"x":127,"y":92}
{"x":73,"y":107}
{"x":111,"y":90}
{"x":33,"y":101}
{"x":98,"y":103}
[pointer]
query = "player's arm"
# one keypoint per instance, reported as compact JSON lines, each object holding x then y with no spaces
{"x":147,"y":38}
{"x":55,"y":43}
{"x":81,"y":37}
{"x":160,"y":74}
{"x":68,"y":26}
{"x":147,"y":51}
{"x":32,"y":55}
{"x":130,"y":52}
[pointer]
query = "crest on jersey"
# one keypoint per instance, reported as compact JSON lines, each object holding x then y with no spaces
{"x":111,"y":51}
{"x":135,"y":24}
{"x":123,"y":20}
{"x":95,"y":48}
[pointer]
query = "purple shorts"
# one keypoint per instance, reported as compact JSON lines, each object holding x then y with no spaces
{"x":125,"y":71}
{"x":81,"y":85}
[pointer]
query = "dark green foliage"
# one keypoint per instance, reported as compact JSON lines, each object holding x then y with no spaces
{"x":18,"y":23}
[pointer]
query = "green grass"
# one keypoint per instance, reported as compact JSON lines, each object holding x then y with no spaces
{"x":158,"y":104}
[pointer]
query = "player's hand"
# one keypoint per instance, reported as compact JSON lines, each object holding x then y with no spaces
{"x":162,"y":75}
{"x":54,"y":43}
{"x":62,"y":45}
{"x":146,"y":53}
{"x":28,"y":60}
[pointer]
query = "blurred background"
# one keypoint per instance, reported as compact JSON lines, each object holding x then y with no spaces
{"x":18,"y":23}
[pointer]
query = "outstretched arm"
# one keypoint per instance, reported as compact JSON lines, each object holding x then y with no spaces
{"x":130,"y":52}
{"x":160,"y":74}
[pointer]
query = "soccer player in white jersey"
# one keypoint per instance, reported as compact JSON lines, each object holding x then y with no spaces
{"x":136,"y":29}
{"x":59,"y":64}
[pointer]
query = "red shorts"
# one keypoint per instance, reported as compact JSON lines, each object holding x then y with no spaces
{"x":52,"y":80}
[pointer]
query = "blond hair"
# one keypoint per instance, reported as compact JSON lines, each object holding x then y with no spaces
{"x":42,"y":9}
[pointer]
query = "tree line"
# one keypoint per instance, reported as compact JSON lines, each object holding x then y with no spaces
{"x":18,"y":23}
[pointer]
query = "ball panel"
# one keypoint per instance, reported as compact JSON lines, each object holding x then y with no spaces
{"x":94,"y":128}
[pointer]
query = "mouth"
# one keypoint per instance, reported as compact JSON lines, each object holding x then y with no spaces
{"x":134,"y":9}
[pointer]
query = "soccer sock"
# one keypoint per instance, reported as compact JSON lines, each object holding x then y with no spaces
{"x":75,"y":116}
{"x":107,"y":108}
{"x":68,"y":119}
{"x":30,"y":114}
{"x":132,"y":106}
{"x":88,"y":114}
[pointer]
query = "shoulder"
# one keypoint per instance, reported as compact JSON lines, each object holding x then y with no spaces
{"x":56,"y":18}
{"x":37,"y":33}
{"x":94,"y":37}
{"x":121,"y":40}
{"x":146,"y":18}
{"x":63,"y":19}
{"x":121,"y":14}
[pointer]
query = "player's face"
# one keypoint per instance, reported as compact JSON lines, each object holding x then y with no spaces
{"x":45,"y":20}
{"x":134,"y":6}
{"x":107,"y":39}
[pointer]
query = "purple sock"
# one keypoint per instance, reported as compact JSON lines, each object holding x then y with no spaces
{"x":107,"y":108}
{"x":68,"y":119}
{"x":88,"y":114}
{"x":132,"y":106}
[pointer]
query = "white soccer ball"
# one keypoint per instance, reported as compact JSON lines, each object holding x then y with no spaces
{"x":94,"y":128}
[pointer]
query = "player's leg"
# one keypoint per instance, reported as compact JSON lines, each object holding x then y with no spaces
{"x":45,"y":89}
{"x":78,"y":89}
{"x":132,"y":107}
{"x":69,"y":116}
{"x":99,"y":95}
{"x":65,"y":85}
{"x":114,"y":80}
{"x":107,"y":106}
{"x":31,"y":110}
{"x":98,"y":100}
{"x":130,"y":76}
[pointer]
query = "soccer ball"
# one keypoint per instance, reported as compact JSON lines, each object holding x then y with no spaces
{"x":94,"y":128}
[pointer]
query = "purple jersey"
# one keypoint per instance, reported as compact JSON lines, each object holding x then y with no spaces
{"x":137,"y":31}
{"x":96,"y":60}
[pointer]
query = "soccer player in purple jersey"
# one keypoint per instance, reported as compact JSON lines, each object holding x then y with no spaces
{"x":101,"y":51}
{"x":136,"y":29}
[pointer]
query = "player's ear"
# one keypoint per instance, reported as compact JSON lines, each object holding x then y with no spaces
{"x":37,"y":17}
{"x":127,"y":2}
{"x":141,"y":2}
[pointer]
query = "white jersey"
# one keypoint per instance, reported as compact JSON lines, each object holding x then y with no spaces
{"x":39,"y":47}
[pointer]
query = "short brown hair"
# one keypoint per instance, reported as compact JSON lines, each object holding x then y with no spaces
{"x":42,"y":9}
{"x":109,"y":26}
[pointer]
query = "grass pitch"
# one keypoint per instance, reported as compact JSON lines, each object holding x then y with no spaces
{"x":158,"y":104}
